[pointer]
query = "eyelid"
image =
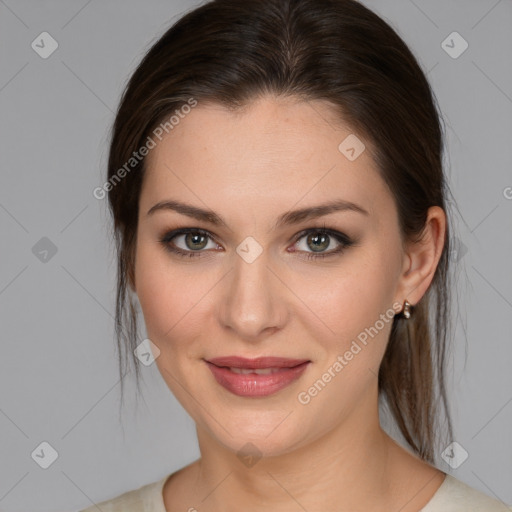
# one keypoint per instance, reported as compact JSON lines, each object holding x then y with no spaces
{"x":344,"y":242}
{"x":174,"y":233}
{"x":323,"y":229}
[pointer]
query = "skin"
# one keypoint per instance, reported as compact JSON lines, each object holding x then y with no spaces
{"x":250,"y":167}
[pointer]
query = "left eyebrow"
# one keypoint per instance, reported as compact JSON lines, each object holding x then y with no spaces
{"x":313,"y":212}
{"x":286,"y":219}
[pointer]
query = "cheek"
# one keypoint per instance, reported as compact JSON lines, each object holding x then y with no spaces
{"x":355,"y":303}
{"x":354,"y":295}
{"x":158,"y":290}
{"x":356,"y":308}
{"x":173,"y":299}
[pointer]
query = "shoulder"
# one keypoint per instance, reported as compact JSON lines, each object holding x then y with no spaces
{"x":456,"y":496}
{"x":147,"y":498}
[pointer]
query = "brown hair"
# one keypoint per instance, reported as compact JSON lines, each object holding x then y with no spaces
{"x":232,"y":51}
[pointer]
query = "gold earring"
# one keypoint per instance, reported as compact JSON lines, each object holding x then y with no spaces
{"x":407,"y":309}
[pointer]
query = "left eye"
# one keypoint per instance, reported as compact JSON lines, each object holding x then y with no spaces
{"x":318,"y":238}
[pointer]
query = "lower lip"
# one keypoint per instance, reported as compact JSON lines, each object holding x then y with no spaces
{"x":253,"y":384}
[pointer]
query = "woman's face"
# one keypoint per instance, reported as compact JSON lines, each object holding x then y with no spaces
{"x":256,"y":285}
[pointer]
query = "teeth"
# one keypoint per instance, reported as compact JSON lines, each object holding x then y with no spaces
{"x":257,"y":371}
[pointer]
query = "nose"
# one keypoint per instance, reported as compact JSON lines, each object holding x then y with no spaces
{"x":254,"y":301}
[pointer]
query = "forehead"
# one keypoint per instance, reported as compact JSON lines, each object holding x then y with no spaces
{"x":280,"y":151}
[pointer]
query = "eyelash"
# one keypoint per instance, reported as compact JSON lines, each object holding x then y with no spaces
{"x":343,"y":239}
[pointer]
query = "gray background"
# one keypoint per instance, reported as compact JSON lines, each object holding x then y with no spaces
{"x":58,"y":368}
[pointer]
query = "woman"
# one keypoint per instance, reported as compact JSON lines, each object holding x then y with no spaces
{"x":276,"y":183}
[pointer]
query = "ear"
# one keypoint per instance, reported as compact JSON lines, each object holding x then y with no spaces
{"x":421,"y":258}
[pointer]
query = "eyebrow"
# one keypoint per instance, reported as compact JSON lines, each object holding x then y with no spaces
{"x":286,"y":219}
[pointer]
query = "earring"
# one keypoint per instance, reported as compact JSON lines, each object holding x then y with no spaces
{"x":407,"y":309}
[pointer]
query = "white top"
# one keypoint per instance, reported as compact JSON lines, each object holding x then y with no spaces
{"x":452,"y":496}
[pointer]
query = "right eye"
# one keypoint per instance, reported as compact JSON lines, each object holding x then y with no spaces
{"x":194,"y":240}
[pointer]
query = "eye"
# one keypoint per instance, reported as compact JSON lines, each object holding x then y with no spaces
{"x":194,"y":240}
{"x":320,"y":239}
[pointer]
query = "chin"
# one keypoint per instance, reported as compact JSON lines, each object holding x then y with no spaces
{"x":258,"y":434}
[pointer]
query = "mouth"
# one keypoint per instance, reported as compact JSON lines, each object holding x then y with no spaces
{"x":256,"y":377}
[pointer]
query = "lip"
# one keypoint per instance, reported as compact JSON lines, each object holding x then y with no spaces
{"x":259,"y":362}
{"x":251,"y":384}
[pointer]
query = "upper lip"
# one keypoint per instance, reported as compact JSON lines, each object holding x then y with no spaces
{"x":259,"y":362}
